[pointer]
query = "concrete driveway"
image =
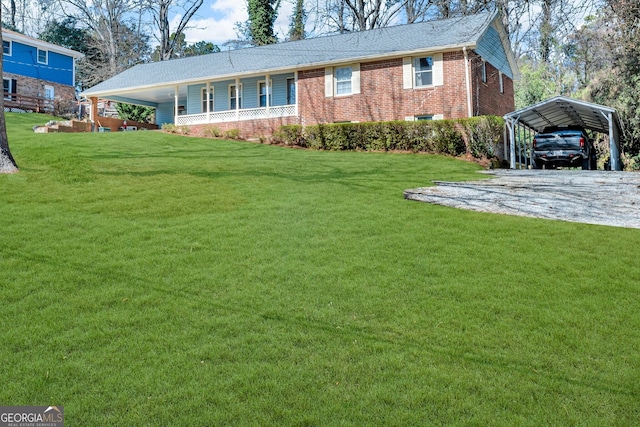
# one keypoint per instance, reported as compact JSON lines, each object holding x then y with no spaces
{"x":592,"y":197}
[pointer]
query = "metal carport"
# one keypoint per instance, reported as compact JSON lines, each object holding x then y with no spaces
{"x":562,"y":111}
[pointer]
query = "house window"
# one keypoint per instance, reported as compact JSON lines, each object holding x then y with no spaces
{"x":49,"y":92}
{"x":501,"y":83}
{"x":291,"y":91}
{"x":424,"y":117}
{"x":264,"y":94}
{"x":9,"y":86}
{"x":6,"y":47}
{"x":343,"y":80}
{"x":423,"y":71}
{"x":43,"y":56}
{"x":484,"y":71}
{"x":204,"y":99}
{"x":235,"y":97}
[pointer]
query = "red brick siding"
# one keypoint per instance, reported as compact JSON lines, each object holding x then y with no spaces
{"x":382,"y":95}
{"x":383,"y":98}
{"x":487,"y":98}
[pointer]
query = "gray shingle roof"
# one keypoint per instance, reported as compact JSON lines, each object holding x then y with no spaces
{"x":320,"y":51}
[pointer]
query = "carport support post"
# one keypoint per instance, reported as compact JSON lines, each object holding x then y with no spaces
{"x":613,"y":146}
{"x":512,"y":143}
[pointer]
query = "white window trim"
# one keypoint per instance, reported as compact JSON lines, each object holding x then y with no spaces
{"x":46,"y":54}
{"x":269,"y":93}
{"x":500,"y":76}
{"x":416,"y":71}
{"x":331,"y":82}
{"x":408,"y":71}
{"x":238,"y":96}
{"x":295,"y":91}
{"x":335,"y":81}
{"x":10,"y":91}
{"x":203,"y":95}
{"x":49,"y":88}
{"x":10,"y":47}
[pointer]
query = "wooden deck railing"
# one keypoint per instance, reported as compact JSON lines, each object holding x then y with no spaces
{"x":18,"y":102}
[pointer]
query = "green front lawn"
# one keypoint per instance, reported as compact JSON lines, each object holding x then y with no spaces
{"x":153,"y":279}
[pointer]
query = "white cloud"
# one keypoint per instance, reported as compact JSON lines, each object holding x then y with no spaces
{"x":217,"y":24}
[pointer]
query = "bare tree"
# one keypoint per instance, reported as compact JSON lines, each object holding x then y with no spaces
{"x":160,"y":9}
{"x":357,"y":15}
{"x":370,"y":14}
{"x":105,"y":19}
{"x":417,"y":10}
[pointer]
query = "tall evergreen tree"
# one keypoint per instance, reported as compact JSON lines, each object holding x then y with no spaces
{"x":262,"y":17}
{"x":298,"y":20}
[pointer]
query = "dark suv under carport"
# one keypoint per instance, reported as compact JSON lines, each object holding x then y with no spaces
{"x":563,"y":146}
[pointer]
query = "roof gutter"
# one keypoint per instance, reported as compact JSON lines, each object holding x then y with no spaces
{"x":17,"y":37}
{"x":467,"y":82}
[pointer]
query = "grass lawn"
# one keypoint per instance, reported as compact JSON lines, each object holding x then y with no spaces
{"x":152,"y":279}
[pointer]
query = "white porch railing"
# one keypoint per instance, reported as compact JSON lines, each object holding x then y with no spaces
{"x":237,"y":115}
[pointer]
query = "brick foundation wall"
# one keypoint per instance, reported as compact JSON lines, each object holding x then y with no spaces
{"x":33,"y":87}
{"x":248,"y":128}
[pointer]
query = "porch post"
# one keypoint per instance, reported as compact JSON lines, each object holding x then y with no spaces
{"x":208,"y":96}
{"x":94,"y":112}
{"x":268,"y":89}
{"x":175,"y":104}
{"x":237,"y":99}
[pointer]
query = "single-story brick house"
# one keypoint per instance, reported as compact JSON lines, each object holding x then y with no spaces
{"x":450,"y":68}
{"x":36,"y":72}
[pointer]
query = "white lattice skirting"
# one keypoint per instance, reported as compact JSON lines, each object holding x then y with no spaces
{"x":237,"y":115}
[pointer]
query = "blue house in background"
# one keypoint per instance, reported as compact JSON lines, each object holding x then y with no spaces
{"x":37,"y":76}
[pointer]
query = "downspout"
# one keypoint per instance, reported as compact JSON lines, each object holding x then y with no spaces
{"x":468,"y":82}
{"x":295,"y":82}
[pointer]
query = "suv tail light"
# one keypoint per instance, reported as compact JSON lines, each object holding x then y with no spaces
{"x":535,"y":143}
{"x":581,"y":142}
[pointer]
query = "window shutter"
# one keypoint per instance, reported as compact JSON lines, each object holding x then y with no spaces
{"x":407,"y":72}
{"x":355,"y":78}
{"x":328,"y":82}
{"x":14,"y":86}
{"x":438,"y":70}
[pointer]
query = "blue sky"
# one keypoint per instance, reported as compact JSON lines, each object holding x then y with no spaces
{"x":215,"y":21}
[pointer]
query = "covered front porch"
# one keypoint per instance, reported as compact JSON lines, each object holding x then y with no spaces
{"x":223,"y":100}
{"x":239,"y":99}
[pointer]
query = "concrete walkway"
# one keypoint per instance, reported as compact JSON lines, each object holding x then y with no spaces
{"x":592,"y":197}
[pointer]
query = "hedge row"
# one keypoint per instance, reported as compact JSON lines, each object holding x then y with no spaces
{"x":477,"y":136}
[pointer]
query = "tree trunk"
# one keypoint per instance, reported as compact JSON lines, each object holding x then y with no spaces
{"x":7,"y":163}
